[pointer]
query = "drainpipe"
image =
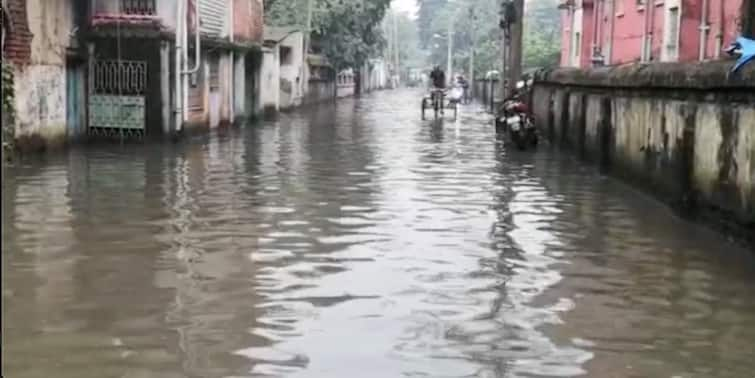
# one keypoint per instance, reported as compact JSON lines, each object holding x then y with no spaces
{"x":704,"y":30}
{"x":180,"y":21}
{"x":609,"y":48}
{"x":189,"y":71}
{"x":595,"y":20}
{"x":650,"y":9}
{"x":232,"y":70}
{"x":644,"y":53}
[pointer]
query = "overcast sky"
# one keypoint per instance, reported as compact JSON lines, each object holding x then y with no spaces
{"x":405,"y":6}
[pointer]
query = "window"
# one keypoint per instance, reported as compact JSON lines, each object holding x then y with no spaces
{"x":214,"y":72}
{"x":640,"y":4}
{"x":285,"y":56}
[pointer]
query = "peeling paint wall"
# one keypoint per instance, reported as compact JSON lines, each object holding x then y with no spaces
{"x":41,"y":103}
{"x":50,"y":22}
{"x":689,"y":142}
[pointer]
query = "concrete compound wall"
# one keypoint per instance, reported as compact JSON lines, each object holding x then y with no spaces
{"x":40,"y":104}
{"x":319,"y":91}
{"x":684,"y":132}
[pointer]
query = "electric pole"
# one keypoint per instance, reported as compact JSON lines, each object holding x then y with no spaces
{"x":513,"y":28}
{"x":449,"y":72}
{"x":308,"y":32}
{"x":396,"y":50}
{"x":472,"y":50}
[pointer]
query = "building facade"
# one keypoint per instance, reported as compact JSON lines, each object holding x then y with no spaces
{"x":611,"y":32}
{"x":129,"y":68}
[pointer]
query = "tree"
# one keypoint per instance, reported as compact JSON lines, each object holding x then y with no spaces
{"x":542,"y":30}
{"x":427,"y":13}
{"x":347,"y":30}
{"x":476,"y":23}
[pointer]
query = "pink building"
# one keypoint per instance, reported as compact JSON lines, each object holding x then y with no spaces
{"x":609,"y":32}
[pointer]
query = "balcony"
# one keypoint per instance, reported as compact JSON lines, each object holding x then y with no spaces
{"x":129,"y":14}
{"x":125,"y":7}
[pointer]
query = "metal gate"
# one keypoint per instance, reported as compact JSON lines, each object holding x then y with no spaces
{"x":117,"y":98}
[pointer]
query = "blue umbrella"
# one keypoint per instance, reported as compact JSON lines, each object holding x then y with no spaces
{"x":743,"y":47}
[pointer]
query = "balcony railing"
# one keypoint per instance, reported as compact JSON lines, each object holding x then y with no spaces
{"x":138,"y":7}
{"x":136,"y":13}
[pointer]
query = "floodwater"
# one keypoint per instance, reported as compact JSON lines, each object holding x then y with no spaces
{"x":355,"y":240}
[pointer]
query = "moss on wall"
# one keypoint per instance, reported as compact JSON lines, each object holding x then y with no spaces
{"x":9,"y":108}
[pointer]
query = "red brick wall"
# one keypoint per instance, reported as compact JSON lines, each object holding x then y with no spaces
{"x":247,"y":20}
{"x":18,"y":40}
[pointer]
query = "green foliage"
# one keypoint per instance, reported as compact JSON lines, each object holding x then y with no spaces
{"x":428,"y":10}
{"x":542,"y":34}
{"x":476,"y":23}
{"x":407,"y":41}
{"x":8,"y":93}
{"x":347,"y":30}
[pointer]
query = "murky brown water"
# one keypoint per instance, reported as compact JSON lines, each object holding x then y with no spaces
{"x":359,"y":243}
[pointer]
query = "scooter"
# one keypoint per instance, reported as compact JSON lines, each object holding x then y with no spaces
{"x":515,"y":119}
{"x":744,"y":48}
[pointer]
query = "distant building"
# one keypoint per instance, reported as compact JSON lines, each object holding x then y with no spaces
{"x":286,"y":65}
{"x":610,"y":32}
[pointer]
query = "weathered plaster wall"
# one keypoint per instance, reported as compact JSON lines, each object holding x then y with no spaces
{"x":40,"y":105}
{"x":686,"y":133}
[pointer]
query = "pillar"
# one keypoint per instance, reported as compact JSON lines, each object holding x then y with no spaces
{"x":165,"y":87}
{"x":239,"y":86}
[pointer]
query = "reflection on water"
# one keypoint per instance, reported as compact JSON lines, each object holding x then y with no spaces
{"x":358,"y":241}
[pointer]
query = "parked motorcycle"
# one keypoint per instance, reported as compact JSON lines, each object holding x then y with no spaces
{"x":514,"y":118}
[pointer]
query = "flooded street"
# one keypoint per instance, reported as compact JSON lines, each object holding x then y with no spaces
{"x":354,"y":240}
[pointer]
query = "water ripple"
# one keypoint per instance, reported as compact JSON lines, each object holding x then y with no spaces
{"x":354,"y":240}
